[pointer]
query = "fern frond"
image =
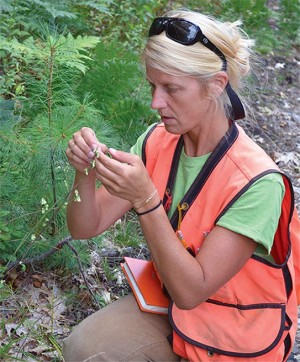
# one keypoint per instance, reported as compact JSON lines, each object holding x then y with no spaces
{"x":96,"y":6}
{"x":83,"y":42}
{"x":54,"y":11}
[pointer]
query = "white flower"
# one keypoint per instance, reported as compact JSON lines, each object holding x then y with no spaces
{"x":77,"y":196}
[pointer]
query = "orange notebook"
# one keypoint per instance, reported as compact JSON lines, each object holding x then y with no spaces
{"x":145,"y":285}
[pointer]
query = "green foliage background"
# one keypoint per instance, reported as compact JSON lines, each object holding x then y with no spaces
{"x":69,"y":64}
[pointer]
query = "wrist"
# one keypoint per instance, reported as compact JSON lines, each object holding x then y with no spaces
{"x":90,"y":174}
{"x":140,"y":213}
{"x":141,"y":208}
{"x":144,"y":202}
{"x":81,"y":179}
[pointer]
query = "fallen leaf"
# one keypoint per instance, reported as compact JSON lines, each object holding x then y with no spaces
{"x":16,"y":329}
{"x":287,"y":157}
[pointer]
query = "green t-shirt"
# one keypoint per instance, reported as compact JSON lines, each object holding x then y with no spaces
{"x":247,"y":216}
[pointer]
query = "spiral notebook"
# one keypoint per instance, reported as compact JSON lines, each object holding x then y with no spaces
{"x":145,"y":285}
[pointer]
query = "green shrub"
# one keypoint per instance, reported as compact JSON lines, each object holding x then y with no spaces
{"x":35,"y":176}
{"x":289,"y":17}
{"x":120,"y":91}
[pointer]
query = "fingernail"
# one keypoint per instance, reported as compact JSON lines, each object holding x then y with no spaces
{"x":91,"y":154}
{"x":112,"y":151}
{"x":94,"y":146}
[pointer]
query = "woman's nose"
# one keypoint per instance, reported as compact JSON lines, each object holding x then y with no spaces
{"x":158,"y":100}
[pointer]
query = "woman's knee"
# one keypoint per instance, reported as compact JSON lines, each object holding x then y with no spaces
{"x":120,"y":331}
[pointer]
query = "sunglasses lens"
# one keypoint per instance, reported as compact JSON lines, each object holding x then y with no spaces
{"x":183,"y":32}
{"x":157,"y":27}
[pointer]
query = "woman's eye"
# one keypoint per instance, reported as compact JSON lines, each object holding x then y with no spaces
{"x":171,"y":89}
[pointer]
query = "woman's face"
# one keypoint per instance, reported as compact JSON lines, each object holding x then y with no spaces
{"x":179,"y":100}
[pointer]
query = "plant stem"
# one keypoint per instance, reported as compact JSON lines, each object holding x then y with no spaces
{"x":53,"y":223}
{"x":50,"y":81}
{"x":49,"y":106}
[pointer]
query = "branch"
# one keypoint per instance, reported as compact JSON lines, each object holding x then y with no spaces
{"x":54,"y":249}
{"x":57,"y":247}
{"x":82,"y":272}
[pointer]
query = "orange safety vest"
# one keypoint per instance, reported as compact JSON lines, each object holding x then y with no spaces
{"x":254,"y":315}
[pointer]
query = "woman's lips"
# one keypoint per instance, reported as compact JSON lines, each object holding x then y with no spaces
{"x":166,"y":119}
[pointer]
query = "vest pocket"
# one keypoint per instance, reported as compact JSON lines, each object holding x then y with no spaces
{"x":231,"y":330}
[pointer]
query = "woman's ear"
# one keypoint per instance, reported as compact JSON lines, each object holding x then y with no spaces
{"x":219,"y":83}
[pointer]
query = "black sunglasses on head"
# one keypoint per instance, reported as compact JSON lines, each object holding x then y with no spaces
{"x":186,"y":33}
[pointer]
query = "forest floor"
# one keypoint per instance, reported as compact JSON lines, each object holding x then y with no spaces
{"x":39,"y":314}
{"x":277,"y":126}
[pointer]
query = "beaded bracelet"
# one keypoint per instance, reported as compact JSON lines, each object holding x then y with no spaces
{"x":153,"y":208}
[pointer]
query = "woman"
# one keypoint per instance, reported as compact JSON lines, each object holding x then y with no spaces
{"x":197,"y":176}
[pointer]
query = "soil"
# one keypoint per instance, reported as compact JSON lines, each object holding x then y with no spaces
{"x":275,"y":122}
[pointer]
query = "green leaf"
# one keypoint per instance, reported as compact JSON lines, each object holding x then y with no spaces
{"x":5,"y":6}
{"x":82,"y":42}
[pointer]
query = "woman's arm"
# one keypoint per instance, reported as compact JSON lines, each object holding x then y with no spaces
{"x":97,"y":209}
{"x":189,"y":280}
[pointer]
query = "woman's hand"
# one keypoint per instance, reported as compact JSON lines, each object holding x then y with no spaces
{"x":81,"y":149}
{"x":97,"y":209}
{"x":124,"y":175}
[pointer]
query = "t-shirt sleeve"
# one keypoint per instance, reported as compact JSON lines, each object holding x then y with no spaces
{"x":137,"y":148}
{"x":256,"y":213}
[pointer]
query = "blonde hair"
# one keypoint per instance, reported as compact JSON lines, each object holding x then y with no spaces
{"x":198,"y":61}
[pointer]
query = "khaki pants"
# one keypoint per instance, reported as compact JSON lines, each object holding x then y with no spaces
{"x":120,"y":332}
